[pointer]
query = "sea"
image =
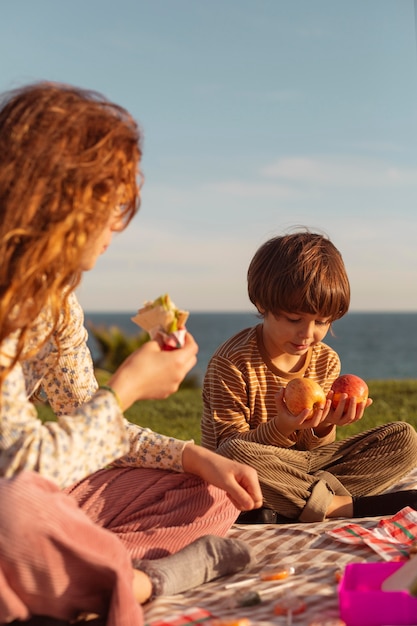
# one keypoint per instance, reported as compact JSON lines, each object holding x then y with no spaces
{"x":374,"y":346}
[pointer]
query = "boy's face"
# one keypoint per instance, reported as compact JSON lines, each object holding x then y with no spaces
{"x":293,"y":333}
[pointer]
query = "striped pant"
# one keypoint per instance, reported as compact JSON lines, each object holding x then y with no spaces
{"x":300,"y":484}
{"x":65,"y":553}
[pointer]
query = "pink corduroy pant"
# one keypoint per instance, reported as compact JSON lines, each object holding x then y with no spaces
{"x":63,"y":553}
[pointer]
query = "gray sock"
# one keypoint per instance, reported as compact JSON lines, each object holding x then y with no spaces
{"x":205,"y":559}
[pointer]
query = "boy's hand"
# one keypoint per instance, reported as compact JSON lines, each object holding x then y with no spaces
{"x":288,"y":423}
{"x":347,"y":412}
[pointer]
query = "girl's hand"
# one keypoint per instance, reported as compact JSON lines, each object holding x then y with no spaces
{"x":288,"y":423}
{"x":151,"y":373}
{"x":238,"y":480}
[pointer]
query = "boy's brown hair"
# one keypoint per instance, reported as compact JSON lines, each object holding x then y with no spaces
{"x":302,"y":272}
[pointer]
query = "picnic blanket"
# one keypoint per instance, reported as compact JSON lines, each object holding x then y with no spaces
{"x":318,"y":553}
{"x":392,"y":538}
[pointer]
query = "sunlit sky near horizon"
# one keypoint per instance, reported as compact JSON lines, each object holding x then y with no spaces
{"x":258,"y":116}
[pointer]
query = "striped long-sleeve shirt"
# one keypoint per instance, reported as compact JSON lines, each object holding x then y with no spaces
{"x":239,"y":392}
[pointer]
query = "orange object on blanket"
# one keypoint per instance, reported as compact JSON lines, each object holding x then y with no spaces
{"x":279,"y":574}
{"x":292,"y":605}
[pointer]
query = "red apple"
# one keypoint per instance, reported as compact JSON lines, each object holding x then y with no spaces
{"x":303,"y":393}
{"x":354,"y":386}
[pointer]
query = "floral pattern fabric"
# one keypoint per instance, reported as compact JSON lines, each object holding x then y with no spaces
{"x":90,"y":432}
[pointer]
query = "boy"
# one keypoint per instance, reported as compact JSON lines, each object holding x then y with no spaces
{"x":299,"y":285}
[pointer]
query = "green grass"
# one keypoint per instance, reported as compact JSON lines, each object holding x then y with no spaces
{"x":179,"y":415}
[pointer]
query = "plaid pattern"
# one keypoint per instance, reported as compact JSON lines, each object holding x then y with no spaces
{"x":319,"y":560}
{"x":391,"y":539}
{"x":198,"y":616}
{"x":192,"y":616}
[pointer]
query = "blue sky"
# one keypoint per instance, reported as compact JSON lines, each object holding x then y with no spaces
{"x":258,"y":116}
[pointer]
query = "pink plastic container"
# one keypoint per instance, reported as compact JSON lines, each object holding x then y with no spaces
{"x":362,"y":603}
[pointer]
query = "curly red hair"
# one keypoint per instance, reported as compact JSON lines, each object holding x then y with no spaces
{"x":68,"y":157}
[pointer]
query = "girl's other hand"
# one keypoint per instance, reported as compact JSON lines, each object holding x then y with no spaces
{"x":238,"y":480}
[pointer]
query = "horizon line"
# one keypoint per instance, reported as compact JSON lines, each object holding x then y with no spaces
{"x":252,"y":312}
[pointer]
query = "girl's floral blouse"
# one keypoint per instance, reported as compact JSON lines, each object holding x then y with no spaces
{"x":90,"y":432}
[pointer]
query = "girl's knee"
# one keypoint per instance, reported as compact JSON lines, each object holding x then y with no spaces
{"x":26,"y":496}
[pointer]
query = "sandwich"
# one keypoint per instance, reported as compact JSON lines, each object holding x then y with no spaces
{"x":160,"y":318}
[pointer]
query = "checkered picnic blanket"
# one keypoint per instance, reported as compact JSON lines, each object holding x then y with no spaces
{"x":391,"y":538}
{"x":196,"y":616}
{"x":189,"y":617}
{"x":317,"y":553}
